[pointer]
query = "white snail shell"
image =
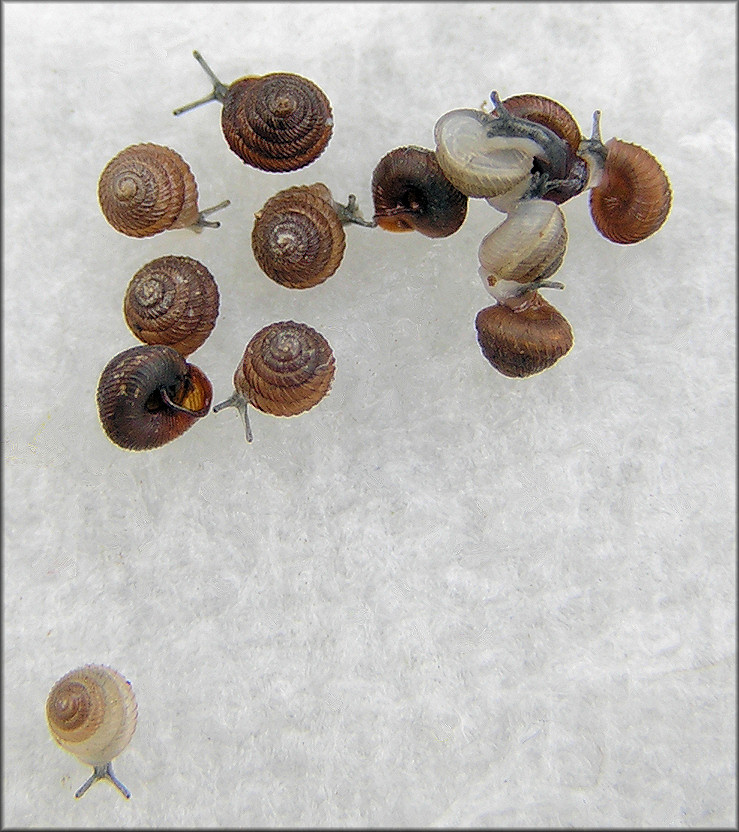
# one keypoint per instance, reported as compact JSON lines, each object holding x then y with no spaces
{"x":526,"y":248}
{"x":91,"y":712}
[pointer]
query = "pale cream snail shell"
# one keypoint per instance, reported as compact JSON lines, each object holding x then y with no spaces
{"x":91,"y":712}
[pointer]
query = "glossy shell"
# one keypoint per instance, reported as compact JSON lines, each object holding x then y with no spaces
{"x":523,"y":339}
{"x":298,"y":238}
{"x":528,"y":245}
{"x":91,"y":712}
{"x":276,"y":122}
{"x":172,"y":300}
{"x":547,"y":112}
{"x":633,"y":197}
{"x":147,"y":189}
{"x":411,"y":193}
{"x":149,"y":395}
{"x":287,"y":368}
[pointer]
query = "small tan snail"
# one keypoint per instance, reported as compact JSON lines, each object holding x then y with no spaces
{"x":286,"y":369}
{"x":149,"y":395}
{"x":523,"y":336}
{"x":524,"y":251}
{"x":149,"y":188}
{"x":630,"y":195}
{"x":91,"y":712}
{"x":275,"y":122}
{"x":172,"y":300}
{"x":492,"y":155}
{"x":298,"y":237}
{"x":411,"y":193}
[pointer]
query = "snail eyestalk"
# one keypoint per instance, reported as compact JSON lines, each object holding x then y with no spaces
{"x":201,"y":222}
{"x":350,"y":213}
{"x":104,"y":771}
{"x":220,"y":90}
{"x":240,"y":403}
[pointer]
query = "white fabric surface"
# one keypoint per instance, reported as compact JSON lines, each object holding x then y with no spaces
{"x":442,"y":597}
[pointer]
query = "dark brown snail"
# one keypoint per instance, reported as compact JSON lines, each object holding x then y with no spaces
{"x":274,"y":122}
{"x":149,"y":395}
{"x":630,"y":195}
{"x":411,"y":193}
{"x":286,"y":369}
{"x":149,"y":188}
{"x":172,"y":300}
{"x":298,"y":237}
{"x":91,"y":712}
{"x":523,"y":336}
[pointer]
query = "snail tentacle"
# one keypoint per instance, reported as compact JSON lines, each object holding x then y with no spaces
{"x":103,"y":771}
{"x":201,"y":222}
{"x":350,"y":213}
{"x":240,"y":403}
{"x":219,"y":93}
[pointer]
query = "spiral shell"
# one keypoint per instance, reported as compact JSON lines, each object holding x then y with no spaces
{"x":91,"y":712}
{"x":149,"y":395}
{"x":526,"y":248}
{"x":172,"y":300}
{"x":547,"y":112}
{"x":286,"y":369}
{"x":276,"y":122}
{"x":633,"y":197}
{"x":298,"y":237}
{"x":146,"y":189}
{"x":411,"y":193}
{"x":524,"y":338}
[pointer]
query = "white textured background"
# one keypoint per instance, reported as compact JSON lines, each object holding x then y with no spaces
{"x":442,"y":597}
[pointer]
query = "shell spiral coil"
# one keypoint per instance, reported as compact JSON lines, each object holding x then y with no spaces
{"x":91,"y":712}
{"x":286,"y":369}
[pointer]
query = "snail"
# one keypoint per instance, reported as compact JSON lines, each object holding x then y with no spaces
{"x":493,"y":154}
{"x":411,"y":193}
{"x":524,"y":251}
{"x":148,"y":188}
{"x":298,"y":237}
{"x":630,"y":194}
{"x":172,"y":300}
{"x":286,"y":369}
{"x":275,"y":122}
{"x":523,"y":336}
{"x":91,"y":712}
{"x":149,"y":395}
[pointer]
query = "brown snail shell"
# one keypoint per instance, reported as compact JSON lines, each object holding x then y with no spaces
{"x":298,"y":237}
{"x":633,"y":198}
{"x":91,"y":712}
{"x":286,"y":369}
{"x":172,"y":300}
{"x":411,"y":193}
{"x":148,"y":188}
{"x":547,"y":112}
{"x":524,"y":337}
{"x":149,"y":395}
{"x":274,"y":122}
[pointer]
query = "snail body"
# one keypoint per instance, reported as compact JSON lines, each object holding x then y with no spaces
{"x":149,"y":395}
{"x":298,"y":238}
{"x":286,"y":369}
{"x":148,"y":188}
{"x":91,"y":713}
{"x":411,"y":193}
{"x":492,"y":154}
{"x":276,"y":122}
{"x":172,"y":300}
{"x":523,"y":336}
{"x":630,"y":194}
{"x":524,"y":251}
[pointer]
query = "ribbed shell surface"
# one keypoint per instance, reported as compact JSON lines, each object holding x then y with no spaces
{"x":633,"y":198}
{"x":129,"y":396}
{"x":287,"y":368}
{"x":524,"y":340}
{"x":298,"y":239}
{"x":172,"y":300}
{"x":547,"y":112}
{"x":411,"y":193}
{"x":276,"y":122}
{"x":91,"y":712}
{"x":146,"y":189}
{"x":529,"y":244}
